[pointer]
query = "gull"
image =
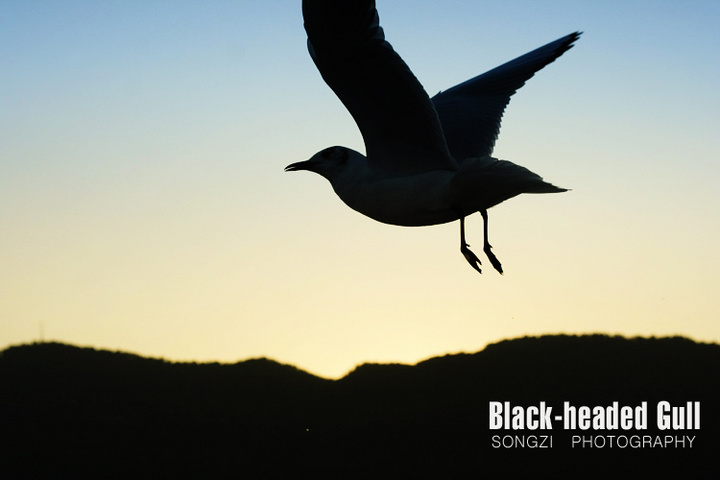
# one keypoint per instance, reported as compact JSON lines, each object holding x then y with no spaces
{"x":428,"y":160}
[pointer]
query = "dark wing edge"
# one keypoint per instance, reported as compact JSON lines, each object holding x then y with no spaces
{"x":394,"y":113}
{"x":471,"y":112}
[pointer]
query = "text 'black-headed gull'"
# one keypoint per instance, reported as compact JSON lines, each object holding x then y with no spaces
{"x":428,"y":160}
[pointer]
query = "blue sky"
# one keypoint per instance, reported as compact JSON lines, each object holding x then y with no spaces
{"x":143,"y":206}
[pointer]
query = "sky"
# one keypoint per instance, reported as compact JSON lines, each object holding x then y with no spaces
{"x":144,"y":207}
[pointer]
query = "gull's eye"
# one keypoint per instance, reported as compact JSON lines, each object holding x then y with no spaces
{"x":337,"y":155}
{"x":328,"y":153}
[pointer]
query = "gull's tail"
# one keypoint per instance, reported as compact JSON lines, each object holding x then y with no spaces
{"x":544,"y":187}
{"x":481,"y":183}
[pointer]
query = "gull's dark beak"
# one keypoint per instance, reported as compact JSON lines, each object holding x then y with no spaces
{"x":293,"y":167}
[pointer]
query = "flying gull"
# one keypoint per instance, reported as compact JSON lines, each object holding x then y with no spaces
{"x":428,"y":160}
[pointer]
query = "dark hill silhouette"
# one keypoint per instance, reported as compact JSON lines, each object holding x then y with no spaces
{"x":67,"y":412}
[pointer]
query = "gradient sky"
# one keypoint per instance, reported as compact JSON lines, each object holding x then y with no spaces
{"x":144,"y":207}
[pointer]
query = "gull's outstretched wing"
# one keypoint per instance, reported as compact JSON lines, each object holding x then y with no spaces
{"x":470,"y":112}
{"x":398,"y":122}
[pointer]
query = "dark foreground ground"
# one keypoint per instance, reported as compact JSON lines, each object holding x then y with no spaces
{"x":68,"y":412}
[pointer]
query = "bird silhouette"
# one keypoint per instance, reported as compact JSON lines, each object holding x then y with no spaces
{"x":428,"y":160}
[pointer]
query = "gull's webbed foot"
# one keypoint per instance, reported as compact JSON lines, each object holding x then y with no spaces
{"x":472,"y":259}
{"x":493,"y":259}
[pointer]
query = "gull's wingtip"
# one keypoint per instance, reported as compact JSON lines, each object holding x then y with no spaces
{"x":566,"y":43}
{"x":553,"y":50}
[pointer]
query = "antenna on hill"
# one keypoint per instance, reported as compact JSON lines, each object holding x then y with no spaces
{"x":42,"y":331}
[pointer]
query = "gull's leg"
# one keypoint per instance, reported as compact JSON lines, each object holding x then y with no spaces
{"x":472,"y":259}
{"x":486,"y":248}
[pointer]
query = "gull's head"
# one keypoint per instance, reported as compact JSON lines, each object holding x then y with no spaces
{"x":331,"y":162}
